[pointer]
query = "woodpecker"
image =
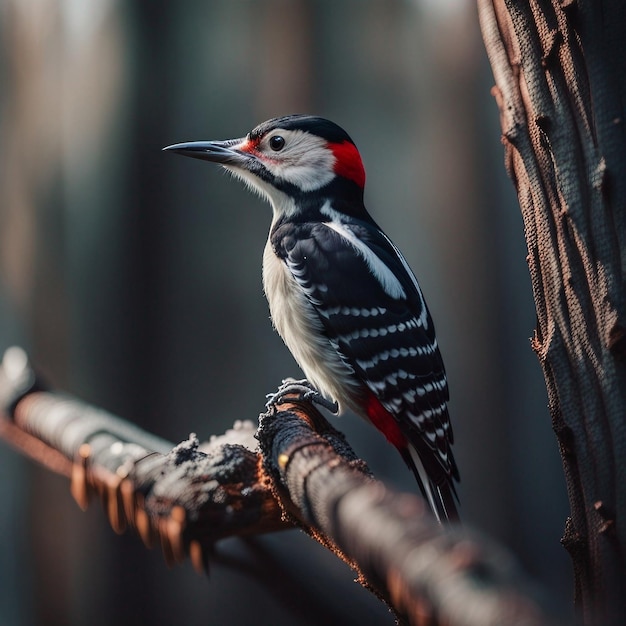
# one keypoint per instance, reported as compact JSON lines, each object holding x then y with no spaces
{"x":341,"y":295}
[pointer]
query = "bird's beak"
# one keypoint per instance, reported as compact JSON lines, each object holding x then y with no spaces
{"x":223,"y":152}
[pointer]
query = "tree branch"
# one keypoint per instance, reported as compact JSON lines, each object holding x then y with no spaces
{"x":391,"y":539}
{"x":189,"y":496}
{"x":186,"y":496}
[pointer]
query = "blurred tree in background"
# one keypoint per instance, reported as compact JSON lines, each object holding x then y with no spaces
{"x":134,"y":280}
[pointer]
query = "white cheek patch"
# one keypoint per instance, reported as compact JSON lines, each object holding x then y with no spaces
{"x":306,"y":161}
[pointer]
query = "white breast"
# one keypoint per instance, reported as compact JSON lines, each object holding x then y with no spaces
{"x":299,"y":325}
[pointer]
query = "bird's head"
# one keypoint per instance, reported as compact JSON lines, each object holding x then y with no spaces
{"x":289,"y":158}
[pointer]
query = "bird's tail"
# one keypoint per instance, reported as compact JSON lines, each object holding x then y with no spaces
{"x":442,"y":498}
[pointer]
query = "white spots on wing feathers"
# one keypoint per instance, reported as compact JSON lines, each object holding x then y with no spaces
{"x":390,"y":380}
{"x":436,"y":385}
{"x":395,"y":353}
{"x":428,"y":415}
{"x":409,"y":396}
{"x":383,"y":331}
{"x":351,"y":311}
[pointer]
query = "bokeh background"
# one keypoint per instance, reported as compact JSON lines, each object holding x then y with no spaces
{"x":133,"y":277}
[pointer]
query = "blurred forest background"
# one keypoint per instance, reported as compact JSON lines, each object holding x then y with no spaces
{"x":133,"y":277}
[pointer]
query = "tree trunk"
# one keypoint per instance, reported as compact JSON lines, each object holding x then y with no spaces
{"x":559,"y":68}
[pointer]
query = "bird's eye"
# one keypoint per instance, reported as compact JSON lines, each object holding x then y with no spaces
{"x":277,"y":143}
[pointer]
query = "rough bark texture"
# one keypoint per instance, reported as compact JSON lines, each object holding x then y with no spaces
{"x":559,"y":68}
{"x":428,"y":575}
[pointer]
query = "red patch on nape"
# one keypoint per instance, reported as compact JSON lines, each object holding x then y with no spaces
{"x":348,"y":162}
{"x":385,"y":422}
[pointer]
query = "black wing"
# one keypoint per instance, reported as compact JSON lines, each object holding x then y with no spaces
{"x":374,"y":314}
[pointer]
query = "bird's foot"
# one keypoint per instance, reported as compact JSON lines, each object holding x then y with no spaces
{"x":304,"y":390}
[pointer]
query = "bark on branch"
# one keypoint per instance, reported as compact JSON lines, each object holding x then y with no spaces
{"x":561,"y":90}
{"x":304,"y":474}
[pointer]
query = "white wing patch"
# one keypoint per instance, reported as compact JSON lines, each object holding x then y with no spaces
{"x":423,"y":319}
{"x":387,"y":279}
